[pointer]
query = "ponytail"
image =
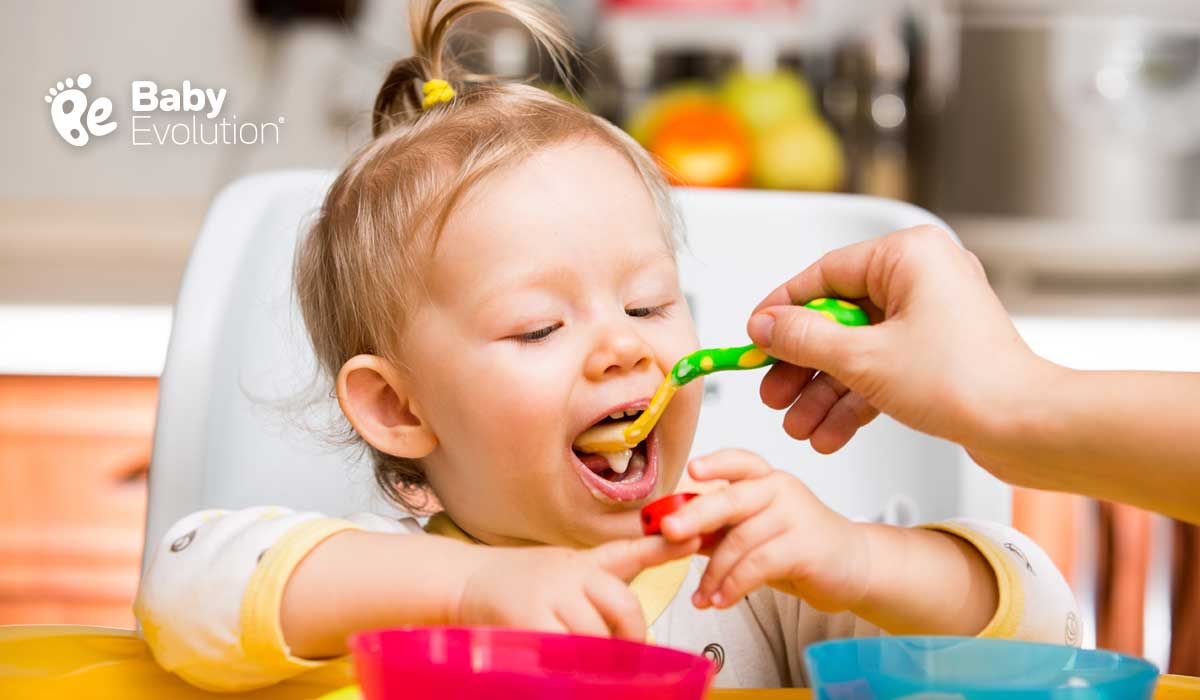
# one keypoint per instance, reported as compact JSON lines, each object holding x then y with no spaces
{"x":402,"y":96}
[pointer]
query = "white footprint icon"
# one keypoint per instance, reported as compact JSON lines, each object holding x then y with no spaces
{"x":68,"y":105}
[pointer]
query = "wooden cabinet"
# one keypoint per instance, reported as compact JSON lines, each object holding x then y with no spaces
{"x":73,"y":458}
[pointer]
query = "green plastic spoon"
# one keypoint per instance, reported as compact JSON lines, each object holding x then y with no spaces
{"x":699,"y":363}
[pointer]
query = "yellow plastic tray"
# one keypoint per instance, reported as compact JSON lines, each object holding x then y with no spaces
{"x":48,"y":662}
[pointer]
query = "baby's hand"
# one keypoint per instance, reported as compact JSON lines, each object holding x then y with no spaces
{"x":556,"y":589}
{"x":779,"y":534}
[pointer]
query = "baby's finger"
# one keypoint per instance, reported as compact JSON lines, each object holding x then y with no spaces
{"x":730,"y":464}
{"x":580,"y":616}
{"x":618,"y":606}
{"x":736,"y":543}
{"x":783,"y":383}
{"x":769,"y":561}
{"x":627,"y":558}
{"x":712,"y":511}
{"x":545,"y":620}
{"x":814,"y":404}
{"x":850,"y":413}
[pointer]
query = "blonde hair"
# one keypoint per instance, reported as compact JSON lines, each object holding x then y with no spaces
{"x":360,"y":262}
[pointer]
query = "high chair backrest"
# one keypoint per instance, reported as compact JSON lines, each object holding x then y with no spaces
{"x":243,"y":418}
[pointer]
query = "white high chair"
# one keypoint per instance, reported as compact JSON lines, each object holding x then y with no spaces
{"x":242,"y":413}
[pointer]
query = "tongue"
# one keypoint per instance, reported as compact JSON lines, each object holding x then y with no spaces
{"x":601,"y":462}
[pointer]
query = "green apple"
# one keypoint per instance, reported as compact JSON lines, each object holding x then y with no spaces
{"x":802,"y":153}
{"x":763,"y":100}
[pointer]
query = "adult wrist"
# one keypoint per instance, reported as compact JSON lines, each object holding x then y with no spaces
{"x":1021,"y":425}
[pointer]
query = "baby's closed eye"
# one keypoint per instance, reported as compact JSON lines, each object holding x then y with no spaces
{"x":643,"y":311}
{"x":537,"y":335}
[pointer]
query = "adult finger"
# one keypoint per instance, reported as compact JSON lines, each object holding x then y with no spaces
{"x":845,"y":417}
{"x":807,"y":338}
{"x":808,"y":412}
{"x":841,"y":273}
{"x":783,"y":383}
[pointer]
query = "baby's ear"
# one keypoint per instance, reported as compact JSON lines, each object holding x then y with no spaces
{"x":376,"y":400}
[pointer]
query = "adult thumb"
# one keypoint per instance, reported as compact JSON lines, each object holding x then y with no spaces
{"x":807,"y":338}
{"x":627,"y":558}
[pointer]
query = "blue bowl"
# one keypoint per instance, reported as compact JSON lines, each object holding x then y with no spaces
{"x":967,"y":668}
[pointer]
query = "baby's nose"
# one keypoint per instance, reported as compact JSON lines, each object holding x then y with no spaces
{"x":619,"y":351}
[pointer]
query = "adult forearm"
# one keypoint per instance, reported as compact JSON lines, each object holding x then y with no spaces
{"x":1132,"y":437}
{"x":357,"y":580}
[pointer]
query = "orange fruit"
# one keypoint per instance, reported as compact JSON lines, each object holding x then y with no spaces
{"x":703,"y":144}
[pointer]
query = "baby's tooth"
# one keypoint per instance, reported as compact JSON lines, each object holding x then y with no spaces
{"x":616,"y":416}
{"x":618,"y":461}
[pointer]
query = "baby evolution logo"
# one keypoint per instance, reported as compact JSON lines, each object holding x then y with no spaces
{"x":74,"y":118}
{"x":77,"y":118}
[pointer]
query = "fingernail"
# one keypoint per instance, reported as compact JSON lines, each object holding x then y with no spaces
{"x":697,"y":599}
{"x":717,"y":599}
{"x":761,"y":327}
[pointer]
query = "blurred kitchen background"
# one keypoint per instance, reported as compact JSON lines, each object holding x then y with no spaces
{"x":1059,"y":138}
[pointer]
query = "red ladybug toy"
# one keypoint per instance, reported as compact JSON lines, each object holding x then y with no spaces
{"x":653,"y":514}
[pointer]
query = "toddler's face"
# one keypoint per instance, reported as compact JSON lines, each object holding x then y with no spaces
{"x":553,"y":302}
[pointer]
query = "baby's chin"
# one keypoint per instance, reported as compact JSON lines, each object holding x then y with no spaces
{"x":597,"y":527}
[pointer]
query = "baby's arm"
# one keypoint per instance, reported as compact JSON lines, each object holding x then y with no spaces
{"x":244,"y":599}
{"x":919,"y":581}
{"x":554,"y":589}
{"x":966,"y":577}
{"x":210,"y":601}
{"x":358,"y":580}
{"x":959,"y":577}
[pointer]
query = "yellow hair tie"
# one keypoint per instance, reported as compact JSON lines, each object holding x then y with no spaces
{"x":436,"y":91}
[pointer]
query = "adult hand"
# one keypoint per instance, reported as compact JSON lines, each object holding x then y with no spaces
{"x":941,"y":355}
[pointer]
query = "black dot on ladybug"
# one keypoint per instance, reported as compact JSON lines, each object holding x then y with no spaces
{"x":646,"y":518}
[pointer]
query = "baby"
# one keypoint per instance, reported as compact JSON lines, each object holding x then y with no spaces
{"x":490,"y":277}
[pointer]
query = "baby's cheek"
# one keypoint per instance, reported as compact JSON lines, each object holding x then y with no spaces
{"x":680,"y":427}
{"x":519,"y":420}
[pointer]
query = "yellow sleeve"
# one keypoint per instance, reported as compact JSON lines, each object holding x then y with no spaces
{"x":1034,"y":602}
{"x":262,"y":634}
{"x":209,"y":602}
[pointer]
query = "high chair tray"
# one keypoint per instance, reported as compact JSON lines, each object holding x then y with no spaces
{"x":48,"y":662}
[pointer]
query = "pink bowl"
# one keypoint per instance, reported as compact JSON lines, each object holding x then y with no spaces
{"x":486,"y":662}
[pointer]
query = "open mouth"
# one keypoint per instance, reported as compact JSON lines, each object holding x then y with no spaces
{"x":621,"y":476}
